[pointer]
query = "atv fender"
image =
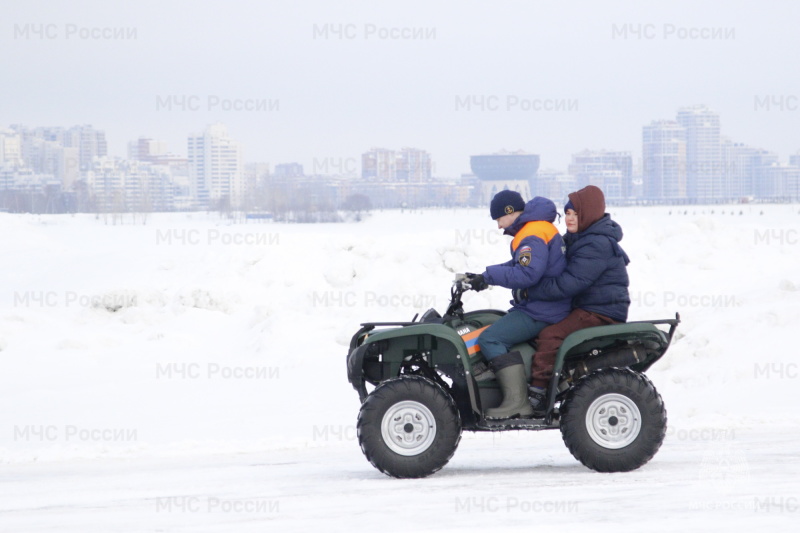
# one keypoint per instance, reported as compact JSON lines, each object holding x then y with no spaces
{"x":440,"y":344}
{"x":584,"y":341}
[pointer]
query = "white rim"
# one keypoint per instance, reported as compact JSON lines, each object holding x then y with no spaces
{"x":613,"y":421}
{"x":408,"y":428}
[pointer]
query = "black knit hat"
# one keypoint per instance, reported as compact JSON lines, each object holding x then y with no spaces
{"x":506,"y":202}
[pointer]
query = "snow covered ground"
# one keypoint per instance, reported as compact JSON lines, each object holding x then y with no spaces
{"x":188,"y":374}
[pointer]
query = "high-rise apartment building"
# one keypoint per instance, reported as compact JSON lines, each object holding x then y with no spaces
{"x":664,"y":160}
{"x":611,"y":171}
{"x":704,"y":166}
{"x":130,"y":185}
{"x":778,"y":182}
{"x":10,"y":148}
{"x":792,"y":180}
{"x":59,"y":152}
{"x":407,"y":165}
{"x":745,"y":169}
{"x":152,"y":151}
{"x":145,"y":149}
{"x":90,"y":143}
{"x":379,"y":164}
{"x":413,"y":165}
{"x":46,"y":157}
{"x":215,"y":167}
{"x":554,"y":184}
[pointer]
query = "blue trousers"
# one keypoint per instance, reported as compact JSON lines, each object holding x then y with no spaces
{"x":514,"y":327}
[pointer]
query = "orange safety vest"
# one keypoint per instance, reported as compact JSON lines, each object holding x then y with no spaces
{"x":537,"y":228}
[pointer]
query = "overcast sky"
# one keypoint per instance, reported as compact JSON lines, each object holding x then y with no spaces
{"x":336,"y":95}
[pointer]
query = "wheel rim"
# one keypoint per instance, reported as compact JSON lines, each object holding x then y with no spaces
{"x":408,"y":428}
{"x":613,"y":421}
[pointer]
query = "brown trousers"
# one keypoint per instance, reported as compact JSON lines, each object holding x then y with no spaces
{"x":550,"y":339}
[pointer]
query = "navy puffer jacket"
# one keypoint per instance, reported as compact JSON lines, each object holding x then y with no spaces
{"x":537,"y":251}
{"x":596,"y":277}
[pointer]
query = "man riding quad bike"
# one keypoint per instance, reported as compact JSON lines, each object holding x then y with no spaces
{"x":611,"y":417}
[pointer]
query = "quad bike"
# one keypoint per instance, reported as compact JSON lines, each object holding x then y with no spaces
{"x":611,"y":417}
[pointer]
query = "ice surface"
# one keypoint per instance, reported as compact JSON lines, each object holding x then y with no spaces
{"x":188,"y":374}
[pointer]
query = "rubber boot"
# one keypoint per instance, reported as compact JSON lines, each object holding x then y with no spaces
{"x":510,"y":373}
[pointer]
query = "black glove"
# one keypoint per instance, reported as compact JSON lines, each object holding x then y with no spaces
{"x":476,"y":282}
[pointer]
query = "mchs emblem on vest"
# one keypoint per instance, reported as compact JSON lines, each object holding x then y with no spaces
{"x":525,"y":256}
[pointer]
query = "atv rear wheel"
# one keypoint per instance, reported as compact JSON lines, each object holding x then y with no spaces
{"x":409,"y":427}
{"x":613,"y":420}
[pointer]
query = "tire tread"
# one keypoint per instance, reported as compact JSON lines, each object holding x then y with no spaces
{"x":651,"y":407}
{"x":369,"y":433}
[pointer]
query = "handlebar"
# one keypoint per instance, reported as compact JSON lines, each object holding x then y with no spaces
{"x":460,"y":286}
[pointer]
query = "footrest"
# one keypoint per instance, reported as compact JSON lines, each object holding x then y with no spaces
{"x":515,"y":423}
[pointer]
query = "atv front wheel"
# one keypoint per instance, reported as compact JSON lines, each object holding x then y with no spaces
{"x":409,"y":427}
{"x":613,"y":420}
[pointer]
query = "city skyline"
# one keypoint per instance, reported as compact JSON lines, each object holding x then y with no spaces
{"x":684,"y":159}
{"x":353,"y":164}
{"x":313,"y":80}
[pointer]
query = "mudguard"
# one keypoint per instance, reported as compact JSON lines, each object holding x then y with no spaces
{"x":441,"y":342}
{"x":599,"y":338}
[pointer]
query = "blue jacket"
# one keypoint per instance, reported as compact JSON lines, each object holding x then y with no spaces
{"x":596,"y":277}
{"x":537,"y":251}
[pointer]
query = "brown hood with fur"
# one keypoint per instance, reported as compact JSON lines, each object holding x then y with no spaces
{"x":590,"y":203}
